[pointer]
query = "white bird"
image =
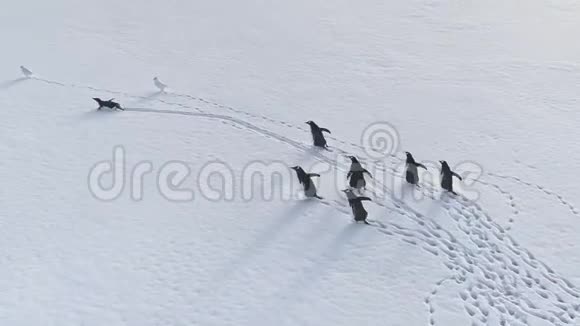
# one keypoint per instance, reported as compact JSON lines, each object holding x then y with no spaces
{"x":159,"y":84}
{"x":27,"y":73}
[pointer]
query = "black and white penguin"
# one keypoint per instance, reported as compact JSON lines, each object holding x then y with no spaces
{"x":306,"y":181}
{"x":447,"y":177}
{"x":317,"y":134}
{"x":411,"y":174}
{"x":358,"y":211}
{"x":356,"y":174}
{"x":107,"y":104}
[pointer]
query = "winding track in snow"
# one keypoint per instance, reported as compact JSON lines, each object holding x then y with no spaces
{"x":391,"y":156}
{"x":541,"y":188}
{"x":556,"y":316}
{"x":495,"y":274}
{"x":483,"y":272}
{"x":394,"y":158}
{"x":510,"y":199}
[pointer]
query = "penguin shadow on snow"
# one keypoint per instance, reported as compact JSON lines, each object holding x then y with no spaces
{"x":313,"y":150}
{"x":298,"y":287}
{"x":94,"y":114}
{"x":414,"y":197}
{"x":305,"y":157}
{"x":262,"y":241}
{"x":437,"y":208}
{"x":408,"y":192}
{"x":11,"y":83}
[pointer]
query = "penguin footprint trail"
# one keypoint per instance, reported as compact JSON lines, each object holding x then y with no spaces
{"x":514,"y":312}
{"x":497,"y":274}
{"x":497,"y":297}
{"x":390,"y":157}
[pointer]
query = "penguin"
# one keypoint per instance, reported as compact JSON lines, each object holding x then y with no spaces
{"x":411,"y":174}
{"x":358,"y":210}
{"x":317,"y":134}
{"x":356,"y":174}
{"x":159,"y":84}
{"x":306,"y":181}
{"x":447,"y":177}
{"x":26,"y":72}
{"x":107,"y":104}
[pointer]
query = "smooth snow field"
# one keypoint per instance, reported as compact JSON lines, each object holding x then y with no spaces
{"x":183,"y":210}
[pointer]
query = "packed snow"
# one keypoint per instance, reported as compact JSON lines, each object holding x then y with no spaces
{"x":183,"y":209}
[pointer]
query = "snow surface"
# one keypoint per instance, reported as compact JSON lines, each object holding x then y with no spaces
{"x":488,"y":84}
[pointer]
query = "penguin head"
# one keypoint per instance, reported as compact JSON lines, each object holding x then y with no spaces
{"x":444,"y":165}
{"x":97,"y":99}
{"x":155,"y":78}
{"x":311,"y":124}
{"x":353,"y":159}
{"x":297,"y":168}
{"x":409,"y":156}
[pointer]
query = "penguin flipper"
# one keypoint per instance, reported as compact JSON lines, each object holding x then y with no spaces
{"x":457,"y":175}
{"x":421,"y":166}
{"x":325,"y":130}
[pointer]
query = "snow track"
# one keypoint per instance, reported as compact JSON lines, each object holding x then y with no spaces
{"x":500,"y":280}
{"x":560,"y":198}
{"x":430,"y":299}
